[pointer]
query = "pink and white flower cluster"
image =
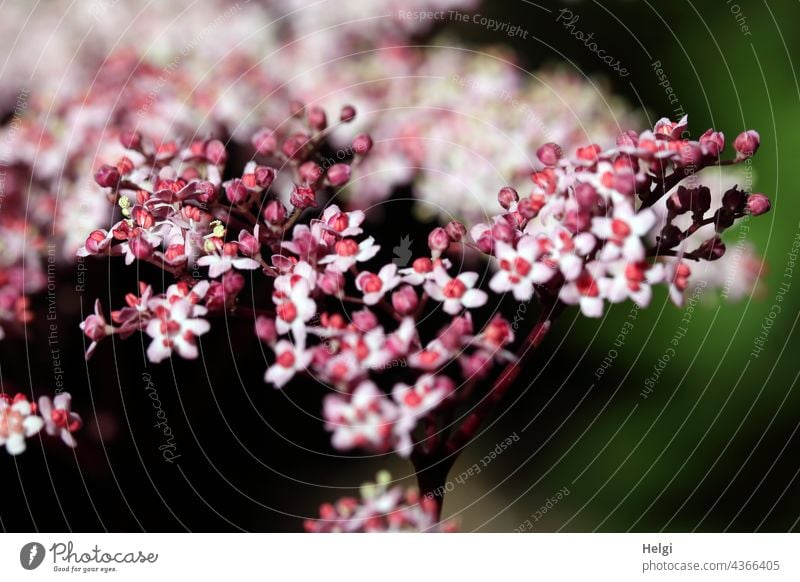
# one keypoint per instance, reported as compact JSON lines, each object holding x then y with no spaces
{"x":21,"y":419}
{"x":381,"y":508}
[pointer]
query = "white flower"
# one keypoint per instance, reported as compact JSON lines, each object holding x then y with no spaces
{"x":364,"y":419}
{"x":455,"y":293}
{"x":519,"y":268}
{"x":347,"y":253}
{"x":624,"y":231}
{"x":221,"y":264}
{"x":374,"y":287}
{"x":342,"y":223}
{"x":17,"y":422}
{"x":293,"y":307}
{"x":289,"y":359}
{"x":59,"y":418}
{"x":173,"y":328}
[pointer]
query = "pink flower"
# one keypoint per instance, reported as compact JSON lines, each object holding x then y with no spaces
{"x":59,"y":418}
{"x":17,"y":423}
{"x":374,"y":287}
{"x":624,"y":231}
{"x":519,"y":268}
{"x":342,"y":223}
{"x":96,"y":328}
{"x":347,"y":253}
{"x":426,"y":394}
{"x":293,"y":307}
{"x":455,"y":293}
{"x":365,"y":419}
{"x":174,"y":328}
{"x":584,"y":291}
{"x":289,"y":360}
{"x":218,"y":264}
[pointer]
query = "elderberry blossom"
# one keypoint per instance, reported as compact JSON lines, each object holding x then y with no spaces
{"x":381,"y":508}
{"x":21,"y":419}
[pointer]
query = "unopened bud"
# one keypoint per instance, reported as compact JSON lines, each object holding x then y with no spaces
{"x":236,"y":192}
{"x":455,"y":230}
{"x":507,"y":196}
{"x":758,"y":204}
{"x":338,"y":175}
{"x":746,"y":144}
{"x":549,"y":154}
{"x":438,"y":241}
{"x":362,"y":144}
{"x":348,"y":114}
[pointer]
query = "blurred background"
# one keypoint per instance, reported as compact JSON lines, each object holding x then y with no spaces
{"x":646,"y":434}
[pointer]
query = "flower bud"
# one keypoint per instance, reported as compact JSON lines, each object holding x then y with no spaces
{"x":700,"y":200}
{"x":310,"y":172}
{"x":711,"y":250}
{"x":713,"y":142}
{"x":723,"y":218}
{"x":670,"y":236}
{"x":362,"y":144}
{"x":746,"y":144}
{"x":265,"y":142}
{"x":549,"y":154}
{"x":296,"y":108}
{"x":438,"y":241}
{"x":507,"y":196}
{"x":232,"y":283}
{"x":331,"y":283}
{"x":303,"y":197}
{"x":293,"y":147}
{"x":275,"y":212}
{"x":758,"y":204}
{"x":628,"y":139}
{"x":236,"y":191}
{"x":249,"y":245}
{"x":734,"y":200}
{"x":455,"y":231}
{"x":265,"y":329}
{"x":348,"y":114}
{"x":503,"y":232}
{"x":316,"y":117}
{"x":131,"y":140}
{"x":679,"y":201}
{"x":586,"y":195}
{"x":215,"y":152}
{"x":405,"y":300}
{"x":338,"y":175}
{"x":365,"y":320}
{"x":264,"y":176}
{"x":140,"y":248}
{"x":107,"y":176}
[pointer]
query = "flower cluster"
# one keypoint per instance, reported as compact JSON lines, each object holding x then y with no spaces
{"x":21,"y":419}
{"x":584,"y":233}
{"x":382,"y":508}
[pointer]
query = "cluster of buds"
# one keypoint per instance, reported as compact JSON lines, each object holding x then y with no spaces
{"x":21,"y":419}
{"x":584,"y":233}
{"x":381,"y":508}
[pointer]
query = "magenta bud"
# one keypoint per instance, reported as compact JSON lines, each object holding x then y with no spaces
{"x":585,"y":195}
{"x":249,"y":245}
{"x":107,"y":176}
{"x":316,"y":117}
{"x":232,"y":283}
{"x":265,"y":142}
{"x":713,"y":142}
{"x":365,"y":320}
{"x":236,"y":191}
{"x":758,"y":204}
{"x":485,"y":243}
{"x":140,"y":248}
{"x":503,"y":232}
{"x":711,"y":250}
{"x":215,"y":152}
{"x":507,"y":196}
{"x":348,"y":114}
{"x":549,"y":154}
{"x":331,"y":283}
{"x":679,"y":201}
{"x":293,"y":147}
{"x":362,"y":144}
{"x":455,"y":230}
{"x":264,"y":176}
{"x":303,"y":197}
{"x":265,"y":329}
{"x":275,"y":212}
{"x":438,"y":240}
{"x":310,"y":172}
{"x":405,"y":300}
{"x":131,"y":140}
{"x":746,"y":143}
{"x":338,"y":175}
